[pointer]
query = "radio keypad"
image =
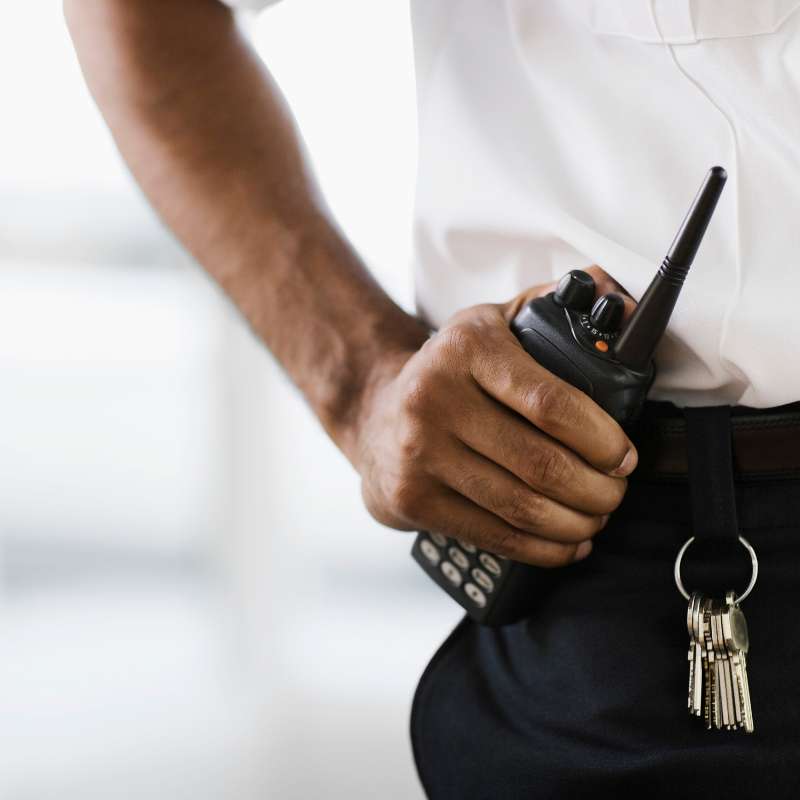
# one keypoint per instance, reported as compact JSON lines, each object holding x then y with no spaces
{"x":482,"y":579}
{"x":490,"y":564}
{"x":430,"y":551}
{"x":458,"y":558}
{"x":475,"y":594}
{"x":451,"y":572}
{"x":456,"y":561}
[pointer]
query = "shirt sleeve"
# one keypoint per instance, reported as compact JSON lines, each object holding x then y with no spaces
{"x":249,"y":5}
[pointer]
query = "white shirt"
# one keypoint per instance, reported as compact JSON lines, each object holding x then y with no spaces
{"x":555,"y":134}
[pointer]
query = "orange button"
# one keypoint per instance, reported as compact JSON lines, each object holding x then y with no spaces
{"x":601,"y":346}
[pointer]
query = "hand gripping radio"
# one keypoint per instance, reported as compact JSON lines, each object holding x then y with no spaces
{"x":578,"y":339}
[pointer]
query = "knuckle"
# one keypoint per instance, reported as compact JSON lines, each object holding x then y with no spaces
{"x":410,"y":444}
{"x":549,"y":404}
{"x":551,"y":467}
{"x":519,"y":508}
{"x":507,"y":543}
{"x":417,"y":393}
{"x":583,"y":527}
{"x":404,"y":498}
{"x":477,"y":487}
{"x":459,"y":341}
{"x":379,"y":511}
{"x":524,"y":510}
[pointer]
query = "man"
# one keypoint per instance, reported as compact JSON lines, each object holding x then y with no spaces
{"x":553,"y":135}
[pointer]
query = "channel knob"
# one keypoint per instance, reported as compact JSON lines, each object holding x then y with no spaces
{"x":606,"y":314}
{"x":575,"y":291}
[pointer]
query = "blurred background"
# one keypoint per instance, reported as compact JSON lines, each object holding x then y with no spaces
{"x":193,"y":602}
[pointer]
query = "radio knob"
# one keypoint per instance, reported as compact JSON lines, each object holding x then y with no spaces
{"x":607,"y":312}
{"x":575,"y":291}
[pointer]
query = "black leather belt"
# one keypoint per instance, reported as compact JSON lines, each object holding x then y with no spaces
{"x":766,"y":442}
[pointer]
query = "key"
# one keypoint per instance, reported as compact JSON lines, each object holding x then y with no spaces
{"x":718,"y":665}
{"x":737,"y":640}
{"x":698,"y":660}
{"x":706,"y":671}
{"x":713,"y":666}
{"x":694,"y":656}
{"x":733,"y":661}
{"x":712,"y":707}
{"x":697,"y":655}
{"x":723,"y":666}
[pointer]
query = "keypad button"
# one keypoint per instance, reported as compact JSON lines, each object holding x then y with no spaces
{"x":451,"y":573}
{"x":458,"y":558}
{"x":430,"y":551}
{"x":475,"y":594}
{"x":470,"y":548}
{"x":489,"y":563}
{"x":439,"y":539}
{"x":482,"y":579}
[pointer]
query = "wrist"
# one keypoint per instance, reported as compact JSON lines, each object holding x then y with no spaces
{"x":346,"y":420}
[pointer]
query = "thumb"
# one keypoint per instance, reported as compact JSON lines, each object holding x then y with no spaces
{"x":510,"y":309}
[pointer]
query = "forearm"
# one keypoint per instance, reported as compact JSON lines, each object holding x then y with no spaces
{"x":209,"y":138}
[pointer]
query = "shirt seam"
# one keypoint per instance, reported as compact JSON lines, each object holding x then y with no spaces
{"x":730,"y":307}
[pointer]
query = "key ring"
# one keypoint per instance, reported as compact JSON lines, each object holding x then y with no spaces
{"x":753,"y":561}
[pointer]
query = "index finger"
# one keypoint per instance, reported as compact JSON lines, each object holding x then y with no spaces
{"x":556,"y":407}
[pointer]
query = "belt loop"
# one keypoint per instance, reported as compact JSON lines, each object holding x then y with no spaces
{"x":711,"y":486}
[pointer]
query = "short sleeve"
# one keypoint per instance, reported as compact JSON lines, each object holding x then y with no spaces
{"x":249,"y":5}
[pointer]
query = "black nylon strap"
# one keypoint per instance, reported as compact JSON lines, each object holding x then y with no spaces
{"x":713,"y":497}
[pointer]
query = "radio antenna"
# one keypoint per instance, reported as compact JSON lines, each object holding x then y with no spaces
{"x":638,"y":341}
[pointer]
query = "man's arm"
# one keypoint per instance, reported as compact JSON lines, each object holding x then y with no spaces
{"x":208,"y":137}
{"x":462,"y":433}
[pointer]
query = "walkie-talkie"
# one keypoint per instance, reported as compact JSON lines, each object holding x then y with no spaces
{"x":578,"y":339}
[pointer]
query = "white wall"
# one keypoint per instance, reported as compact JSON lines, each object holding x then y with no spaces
{"x":193,"y":602}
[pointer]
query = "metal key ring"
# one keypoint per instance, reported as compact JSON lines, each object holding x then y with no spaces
{"x":753,"y":561}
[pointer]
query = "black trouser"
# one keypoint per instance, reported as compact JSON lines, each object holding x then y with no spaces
{"x":587,"y":697}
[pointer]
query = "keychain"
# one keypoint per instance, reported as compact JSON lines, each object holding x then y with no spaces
{"x":718,"y":640}
{"x":718,"y":644}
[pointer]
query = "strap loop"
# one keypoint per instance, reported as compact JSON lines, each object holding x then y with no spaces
{"x":711,"y":486}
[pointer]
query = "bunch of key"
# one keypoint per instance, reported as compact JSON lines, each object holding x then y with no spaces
{"x":718,"y":645}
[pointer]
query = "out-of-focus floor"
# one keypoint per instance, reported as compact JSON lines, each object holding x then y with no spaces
{"x":136,"y":691}
{"x":194,"y":603}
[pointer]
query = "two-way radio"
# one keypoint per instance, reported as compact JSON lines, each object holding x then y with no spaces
{"x":578,"y":339}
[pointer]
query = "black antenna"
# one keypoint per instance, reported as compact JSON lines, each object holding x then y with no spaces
{"x":638,"y":341}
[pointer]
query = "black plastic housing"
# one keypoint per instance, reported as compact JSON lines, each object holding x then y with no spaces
{"x":615,"y":369}
{"x":563,"y":342}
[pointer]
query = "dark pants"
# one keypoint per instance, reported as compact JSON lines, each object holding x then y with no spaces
{"x":587,"y":697}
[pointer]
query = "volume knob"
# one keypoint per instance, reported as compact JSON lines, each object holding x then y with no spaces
{"x":607,"y":312}
{"x":575,"y":290}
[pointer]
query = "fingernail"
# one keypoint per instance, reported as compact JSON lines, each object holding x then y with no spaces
{"x":584,"y":548}
{"x":628,"y":464}
{"x":604,"y":520}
